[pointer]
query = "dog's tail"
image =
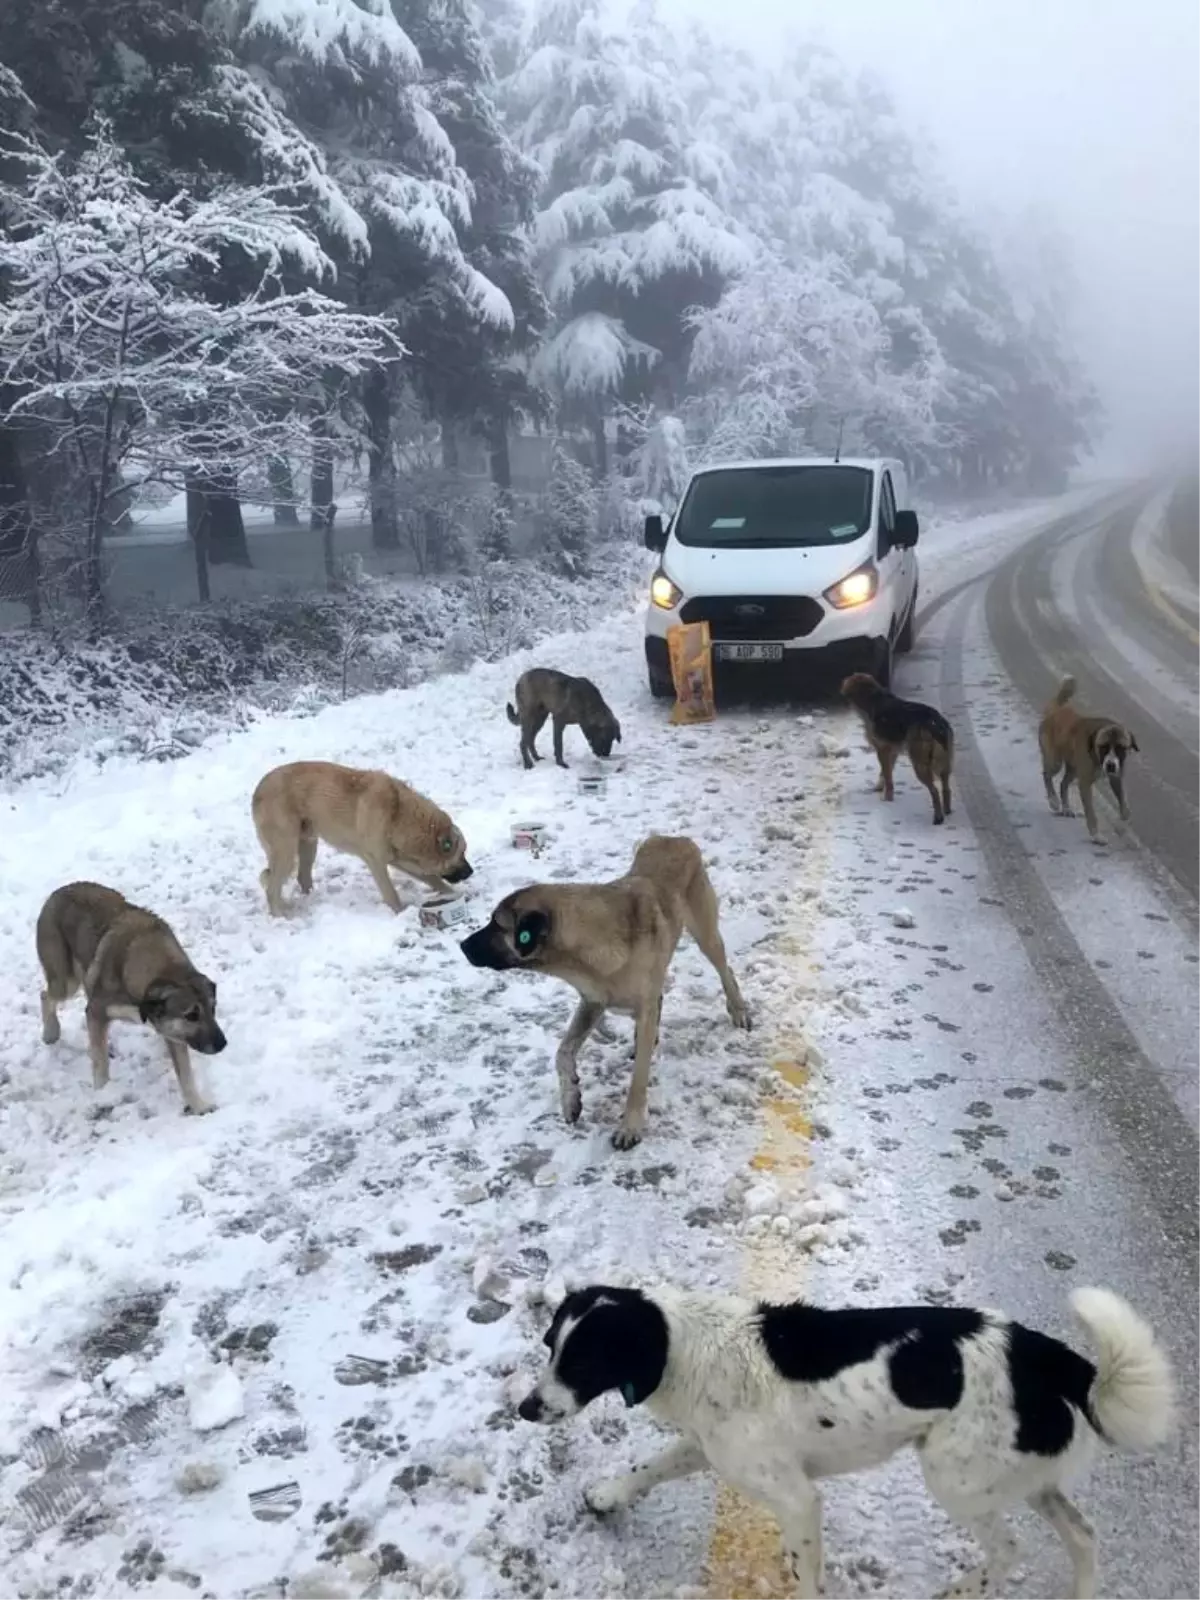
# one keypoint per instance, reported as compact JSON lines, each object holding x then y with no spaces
{"x":1132,"y":1398}
{"x":938,"y":729}
{"x":512,"y":715}
{"x":1066,"y":691}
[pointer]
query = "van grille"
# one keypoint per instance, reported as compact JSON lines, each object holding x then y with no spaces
{"x":744,"y":616}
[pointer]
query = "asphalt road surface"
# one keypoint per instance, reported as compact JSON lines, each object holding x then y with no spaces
{"x":1101,"y":998}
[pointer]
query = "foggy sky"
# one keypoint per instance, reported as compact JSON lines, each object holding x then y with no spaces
{"x":1085,"y":107}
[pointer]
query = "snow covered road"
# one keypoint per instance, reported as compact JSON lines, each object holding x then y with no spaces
{"x":276,"y":1349}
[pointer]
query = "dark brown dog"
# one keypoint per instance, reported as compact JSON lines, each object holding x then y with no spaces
{"x":541,"y":693}
{"x":131,"y":968}
{"x":893,"y":725}
{"x":613,"y":942}
{"x":1082,"y":748}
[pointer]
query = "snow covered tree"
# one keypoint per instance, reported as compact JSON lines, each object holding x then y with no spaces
{"x":793,"y":360}
{"x":397,"y":205}
{"x":629,"y":235}
{"x":833,"y":184}
{"x":133,"y":372}
{"x":467,"y":366}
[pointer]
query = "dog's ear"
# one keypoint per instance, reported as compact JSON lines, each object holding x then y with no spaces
{"x":616,"y":730}
{"x":1133,"y":744}
{"x":209,"y":988}
{"x":1091,"y":743}
{"x":529,"y":932}
{"x":153,"y":1005}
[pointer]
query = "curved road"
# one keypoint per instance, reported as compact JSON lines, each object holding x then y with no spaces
{"x":1063,"y":1146}
{"x":1080,"y":597}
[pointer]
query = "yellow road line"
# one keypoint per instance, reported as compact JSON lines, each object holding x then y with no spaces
{"x":744,"y":1556}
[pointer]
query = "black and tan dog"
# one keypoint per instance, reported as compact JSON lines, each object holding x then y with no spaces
{"x":131,"y":968}
{"x":541,"y":692}
{"x":1082,"y":748}
{"x":893,"y":725}
{"x":613,"y":942}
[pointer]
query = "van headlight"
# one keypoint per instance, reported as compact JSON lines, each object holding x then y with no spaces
{"x":663,"y":593}
{"x":856,"y":589}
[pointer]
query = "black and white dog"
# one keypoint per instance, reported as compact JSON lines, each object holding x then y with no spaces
{"x":774,"y":1397}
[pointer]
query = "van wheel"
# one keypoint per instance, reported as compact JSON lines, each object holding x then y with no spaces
{"x":883,"y":664}
{"x":908,"y":633}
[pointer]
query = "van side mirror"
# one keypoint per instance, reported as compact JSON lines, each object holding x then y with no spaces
{"x":907,"y":529}
{"x":655,"y":535}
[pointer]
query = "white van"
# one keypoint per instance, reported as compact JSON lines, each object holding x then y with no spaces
{"x":807,"y":563}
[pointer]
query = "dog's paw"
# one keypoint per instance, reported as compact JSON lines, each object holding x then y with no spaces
{"x":739,"y":1015}
{"x":1067,"y":811}
{"x":1097,"y":838}
{"x":627,"y":1135}
{"x":572,"y":1104}
{"x":605,"y":1496}
{"x":937,"y":821}
{"x":199,"y":1108}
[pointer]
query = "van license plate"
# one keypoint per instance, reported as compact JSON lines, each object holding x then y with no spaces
{"x":749,"y":652}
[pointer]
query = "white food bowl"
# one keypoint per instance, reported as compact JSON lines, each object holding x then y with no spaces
{"x":443,"y":911}
{"x":529,"y":836}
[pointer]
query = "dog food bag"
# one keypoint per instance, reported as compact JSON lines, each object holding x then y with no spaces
{"x":690,"y":648}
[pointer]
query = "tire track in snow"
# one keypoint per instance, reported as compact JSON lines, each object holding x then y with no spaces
{"x":1161,"y":1147}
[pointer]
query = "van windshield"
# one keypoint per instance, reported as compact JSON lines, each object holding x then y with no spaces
{"x":752,"y":507}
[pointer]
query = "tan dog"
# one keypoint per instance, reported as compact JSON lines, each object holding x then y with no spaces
{"x":893,"y":725}
{"x":1083,"y":748}
{"x":132,"y":968}
{"x":541,"y":692}
{"x":367,"y":814}
{"x":613,"y":942}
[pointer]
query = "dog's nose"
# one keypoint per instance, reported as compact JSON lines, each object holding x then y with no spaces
{"x":530,"y":1409}
{"x":471,"y":947}
{"x":217,"y":1042}
{"x":461,"y":873}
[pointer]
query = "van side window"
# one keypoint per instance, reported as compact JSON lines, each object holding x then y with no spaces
{"x":887,"y":514}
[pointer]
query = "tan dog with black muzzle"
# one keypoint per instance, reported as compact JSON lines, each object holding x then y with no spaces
{"x":613,"y":942}
{"x":367,"y":814}
{"x":131,"y":968}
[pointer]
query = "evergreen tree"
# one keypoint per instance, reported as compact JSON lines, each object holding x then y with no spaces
{"x":628,"y":237}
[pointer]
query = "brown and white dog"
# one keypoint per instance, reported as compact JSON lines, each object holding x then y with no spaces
{"x":1083,"y":749}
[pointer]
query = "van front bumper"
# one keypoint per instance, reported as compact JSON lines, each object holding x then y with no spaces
{"x":800,"y":663}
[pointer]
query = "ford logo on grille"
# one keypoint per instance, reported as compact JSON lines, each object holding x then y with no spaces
{"x":749,"y":611}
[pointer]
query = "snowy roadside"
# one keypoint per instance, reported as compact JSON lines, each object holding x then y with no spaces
{"x":388,"y":1124}
{"x":345,"y":1266}
{"x":162,"y":684}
